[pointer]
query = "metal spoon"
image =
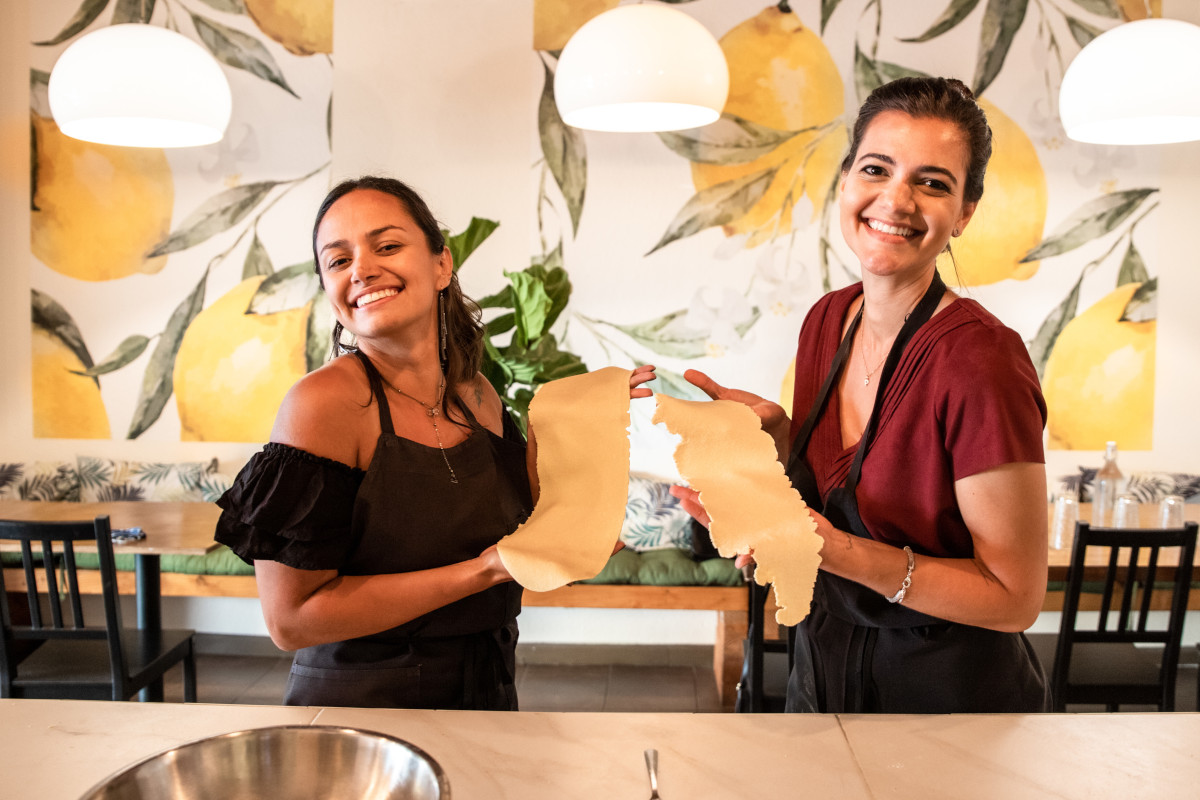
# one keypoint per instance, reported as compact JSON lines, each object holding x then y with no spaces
{"x":652,"y":768}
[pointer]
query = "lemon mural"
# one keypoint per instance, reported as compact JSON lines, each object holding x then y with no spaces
{"x":233,"y":368}
{"x":66,"y":405}
{"x":303,"y":27}
{"x":98,"y":211}
{"x":782,"y":77}
{"x":1012,"y":214}
{"x":555,"y":21}
{"x":1099,"y":379}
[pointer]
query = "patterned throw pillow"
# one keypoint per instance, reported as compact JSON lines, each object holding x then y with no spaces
{"x":653,"y":517}
{"x":103,"y":479}
{"x":39,"y":480}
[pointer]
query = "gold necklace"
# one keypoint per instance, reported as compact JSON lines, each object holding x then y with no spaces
{"x":862,"y":354}
{"x":433,"y":412}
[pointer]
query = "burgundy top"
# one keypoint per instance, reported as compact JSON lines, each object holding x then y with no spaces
{"x":964,"y":398}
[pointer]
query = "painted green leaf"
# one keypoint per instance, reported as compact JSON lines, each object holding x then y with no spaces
{"x":218,"y":213}
{"x":1104,"y":8}
{"x":138,"y":11}
{"x":869,"y":75}
{"x":240,"y":51}
{"x":287,"y":289}
{"x":1081,"y":32}
{"x":669,"y":335}
{"x":1133,"y":268}
{"x":258,"y":262}
{"x":1052,"y":326}
{"x":1090,"y":221}
{"x":675,"y":385}
{"x":463,"y":244}
{"x":317,"y":341}
{"x":729,"y":140}
{"x":827,"y":9}
{"x":532,"y":306}
{"x":1143,"y":305}
{"x":1001,"y":19}
{"x":955,"y":13}
{"x":85,"y":15}
{"x":501,"y":299}
{"x":551,"y":260}
{"x":158,"y":382}
{"x":228,"y":6}
{"x":57,"y":321}
{"x":126,"y":352}
{"x":564,"y":150}
{"x":719,"y":204}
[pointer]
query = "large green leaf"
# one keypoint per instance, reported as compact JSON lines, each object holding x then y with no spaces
{"x":318,"y":343}
{"x":1104,"y":8}
{"x":869,"y":74}
{"x":501,"y":324}
{"x":257,"y":262}
{"x":564,"y":150}
{"x":669,"y":335}
{"x":85,"y":15}
{"x":216,"y":214}
{"x":719,"y":204}
{"x":1001,"y":19}
{"x":532,"y":306}
{"x":1043,"y":343}
{"x":954,"y":13}
{"x":518,"y":404}
{"x":463,"y":244}
{"x":240,"y":51}
{"x":57,"y":321}
{"x":287,"y":289}
{"x":501,"y":299}
{"x":1133,"y":268}
{"x":827,"y":9}
{"x":1091,"y":220}
{"x":133,"y":11}
{"x":729,"y":140}
{"x":551,"y":260}
{"x":540,"y":362}
{"x":158,"y":382}
{"x":1081,"y":32}
{"x":1143,"y":305}
{"x":127,"y":351}
{"x":228,"y":6}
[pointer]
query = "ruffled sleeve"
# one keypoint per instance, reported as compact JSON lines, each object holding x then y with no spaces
{"x":290,"y":506}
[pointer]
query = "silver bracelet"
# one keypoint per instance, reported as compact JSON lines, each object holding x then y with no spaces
{"x":898,"y":597}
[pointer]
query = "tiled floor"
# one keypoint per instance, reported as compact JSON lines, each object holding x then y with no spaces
{"x":257,"y":673}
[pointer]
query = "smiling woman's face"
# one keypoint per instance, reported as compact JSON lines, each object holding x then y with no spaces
{"x":377,"y":269}
{"x":902,"y":197}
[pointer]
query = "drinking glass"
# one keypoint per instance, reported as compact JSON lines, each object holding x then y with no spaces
{"x":1170,"y":512}
{"x":1125,"y":512}
{"x":1066,"y":514}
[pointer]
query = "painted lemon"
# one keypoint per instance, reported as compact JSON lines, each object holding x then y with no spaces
{"x":65,"y":405}
{"x":98,"y":210}
{"x":555,"y":21}
{"x":1011,"y":216}
{"x":233,"y":369}
{"x":303,"y":27}
{"x":1099,"y":379}
{"x":787,"y":389}
{"x":782,"y":76}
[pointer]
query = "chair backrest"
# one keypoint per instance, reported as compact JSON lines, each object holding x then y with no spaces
{"x":1127,"y":577}
{"x":56,"y":609}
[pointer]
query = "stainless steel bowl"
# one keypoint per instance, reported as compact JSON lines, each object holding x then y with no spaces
{"x":297,"y":762}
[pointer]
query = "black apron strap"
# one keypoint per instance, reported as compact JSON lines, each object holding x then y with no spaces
{"x":373,"y":378}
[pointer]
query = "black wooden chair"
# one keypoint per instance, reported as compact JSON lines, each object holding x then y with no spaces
{"x":766,"y":663}
{"x":1124,"y":659}
{"x":70,"y":660}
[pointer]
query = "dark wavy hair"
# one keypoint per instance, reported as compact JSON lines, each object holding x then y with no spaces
{"x":464,"y":329}
{"x":947,"y":99}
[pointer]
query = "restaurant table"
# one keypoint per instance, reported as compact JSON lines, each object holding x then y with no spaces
{"x":536,"y":755}
{"x":1060,"y":560}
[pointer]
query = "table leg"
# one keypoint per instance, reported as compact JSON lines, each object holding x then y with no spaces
{"x":149,"y":609}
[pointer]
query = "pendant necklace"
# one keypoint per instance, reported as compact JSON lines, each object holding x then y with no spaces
{"x":433,"y":412}
{"x":862,"y":354}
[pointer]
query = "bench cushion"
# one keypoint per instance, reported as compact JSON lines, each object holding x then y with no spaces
{"x":672,"y":567}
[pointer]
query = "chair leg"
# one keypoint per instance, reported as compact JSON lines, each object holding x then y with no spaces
{"x":189,"y":675}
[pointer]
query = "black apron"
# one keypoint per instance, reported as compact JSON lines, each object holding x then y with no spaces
{"x":855,"y":651}
{"x":408,"y":516}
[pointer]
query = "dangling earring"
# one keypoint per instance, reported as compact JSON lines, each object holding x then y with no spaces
{"x":442,"y":325}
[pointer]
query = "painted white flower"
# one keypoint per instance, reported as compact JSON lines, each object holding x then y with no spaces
{"x":781,"y":285}
{"x":719,"y":318}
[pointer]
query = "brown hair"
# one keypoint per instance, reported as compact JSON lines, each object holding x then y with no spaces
{"x":464,"y":339}
{"x":947,"y":99}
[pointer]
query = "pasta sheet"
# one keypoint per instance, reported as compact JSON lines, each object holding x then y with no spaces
{"x":581,"y":427}
{"x":728,"y":458}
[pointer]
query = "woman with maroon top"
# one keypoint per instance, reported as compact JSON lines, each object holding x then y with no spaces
{"x":918,"y":443}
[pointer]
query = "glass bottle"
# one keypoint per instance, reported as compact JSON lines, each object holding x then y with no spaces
{"x":1108,"y":484}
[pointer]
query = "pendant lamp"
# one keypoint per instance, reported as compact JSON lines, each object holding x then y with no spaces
{"x":140,"y":86}
{"x":644,"y":67}
{"x":1137,"y":83}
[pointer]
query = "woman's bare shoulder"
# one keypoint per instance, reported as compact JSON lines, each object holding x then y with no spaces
{"x":485,"y":404}
{"x":327,"y":412}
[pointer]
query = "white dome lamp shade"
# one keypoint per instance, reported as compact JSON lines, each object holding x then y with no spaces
{"x":641,"y":67}
{"x":1137,"y":83}
{"x":140,"y":86}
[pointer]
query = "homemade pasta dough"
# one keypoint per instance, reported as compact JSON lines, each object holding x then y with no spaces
{"x":580,"y":424}
{"x":728,"y":458}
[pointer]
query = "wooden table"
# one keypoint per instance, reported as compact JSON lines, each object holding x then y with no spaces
{"x":551,"y":756}
{"x":1060,"y":560}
